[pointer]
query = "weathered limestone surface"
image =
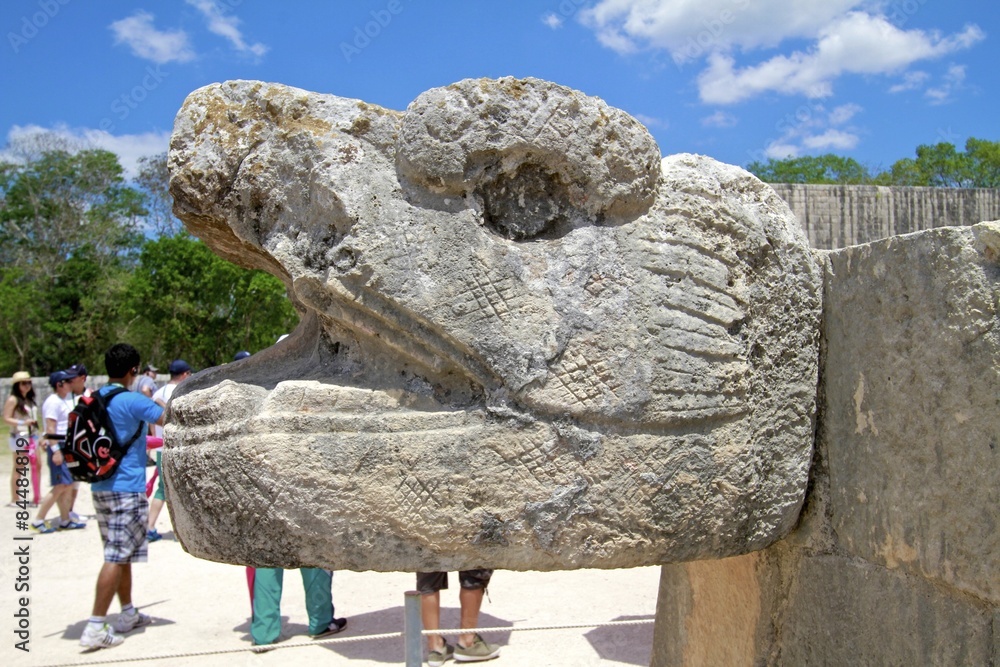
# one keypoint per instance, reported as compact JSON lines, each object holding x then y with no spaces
{"x":912,"y":383}
{"x":896,"y":560}
{"x":526,"y":343}
{"x":837,"y":216}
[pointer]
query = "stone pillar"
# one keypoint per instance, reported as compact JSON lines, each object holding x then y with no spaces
{"x":837,"y":216}
{"x":896,"y":558}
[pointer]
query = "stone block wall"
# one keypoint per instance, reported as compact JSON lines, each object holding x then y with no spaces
{"x":896,"y":558}
{"x":837,"y":216}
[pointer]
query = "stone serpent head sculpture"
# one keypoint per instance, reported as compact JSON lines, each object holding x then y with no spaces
{"x":526,"y":341}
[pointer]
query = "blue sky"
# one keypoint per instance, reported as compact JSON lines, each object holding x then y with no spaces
{"x":738,"y":80}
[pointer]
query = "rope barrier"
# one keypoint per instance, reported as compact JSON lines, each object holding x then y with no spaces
{"x":513,"y":628}
{"x":343,"y":640}
{"x":243,"y":649}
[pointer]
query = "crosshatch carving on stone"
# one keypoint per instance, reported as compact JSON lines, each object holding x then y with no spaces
{"x":484,"y":297}
{"x":415,"y":493}
{"x":550,"y":347}
{"x":583,"y":381}
{"x":533,"y":458}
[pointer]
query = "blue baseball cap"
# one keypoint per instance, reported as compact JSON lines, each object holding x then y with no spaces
{"x":57,"y":377}
{"x":75,"y":371}
{"x":178,"y":366}
{"x":242,"y":354}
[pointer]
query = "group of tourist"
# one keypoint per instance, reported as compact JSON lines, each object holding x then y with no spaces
{"x":20,"y":412}
{"x":128,"y":522}
{"x":120,"y":501}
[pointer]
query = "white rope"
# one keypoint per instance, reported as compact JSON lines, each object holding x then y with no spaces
{"x":529,"y":628}
{"x":338,"y":640}
{"x":243,"y":649}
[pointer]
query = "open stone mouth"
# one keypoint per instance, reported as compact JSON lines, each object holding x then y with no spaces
{"x":322,"y":406}
{"x":394,"y":376}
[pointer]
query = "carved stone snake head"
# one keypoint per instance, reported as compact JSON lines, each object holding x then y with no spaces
{"x":527,"y":342}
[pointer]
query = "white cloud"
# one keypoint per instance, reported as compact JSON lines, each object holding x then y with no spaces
{"x":843,"y":113}
{"x":684,"y":27}
{"x":857,"y":43}
{"x":845,"y":37}
{"x":911,"y":81}
{"x":831,"y":139}
{"x":226,"y":26}
{"x":780,"y":151}
{"x":128,"y":147}
{"x":552,"y":21}
{"x":953,"y":81}
{"x":138,"y":32}
{"x":719,"y":119}
{"x":813,"y":128}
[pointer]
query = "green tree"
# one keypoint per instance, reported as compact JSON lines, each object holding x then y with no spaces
{"x":829,"y":168}
{"x":944,"y":166}
{"x":186,"y":302}
{"x":984,"y":158}
{"x":902,"y":172}
{"x":69,"y":230}
{"x":20,"y":311}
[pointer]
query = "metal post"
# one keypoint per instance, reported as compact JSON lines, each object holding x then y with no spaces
{"x":413,"y":625}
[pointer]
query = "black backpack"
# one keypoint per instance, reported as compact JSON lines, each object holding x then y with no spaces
{"x":91,"y":448}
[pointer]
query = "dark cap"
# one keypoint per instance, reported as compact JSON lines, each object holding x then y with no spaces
{"x":242,"y":354}
{"x":57,"y":377}
{"x":150,"y":367}
{"x":75,"y":371}
{"x":178,"y":366}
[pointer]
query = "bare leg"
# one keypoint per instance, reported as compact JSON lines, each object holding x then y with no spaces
{"x":471,"y":600}
{"x":47,"y":502}
{"x":125,"y":585}
{"x":108,"y":582}
{"x":56,"y":496}
{"x":64,"y":502}
{"x":430,"y":612}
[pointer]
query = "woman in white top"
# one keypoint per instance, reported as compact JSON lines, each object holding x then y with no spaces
{"x":21,"y":415}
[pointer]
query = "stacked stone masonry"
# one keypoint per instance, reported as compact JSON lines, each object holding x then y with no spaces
{"x":837,"y":216}
{"x":896,"y":557}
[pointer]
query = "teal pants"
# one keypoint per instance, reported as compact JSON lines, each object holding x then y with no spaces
{"x":267,"y":583}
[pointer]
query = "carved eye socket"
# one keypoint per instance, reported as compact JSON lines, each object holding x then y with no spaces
{"x":530,"y":203}
{"x":542,"y":159}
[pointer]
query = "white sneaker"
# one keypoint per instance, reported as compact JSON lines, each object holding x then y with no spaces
{"x":128,"y":622}
{"x":103,"y":637}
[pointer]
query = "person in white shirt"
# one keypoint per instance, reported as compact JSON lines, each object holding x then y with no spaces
{"x":55,"y":412}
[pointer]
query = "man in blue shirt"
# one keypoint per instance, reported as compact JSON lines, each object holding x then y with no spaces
{"x":120,"y":503}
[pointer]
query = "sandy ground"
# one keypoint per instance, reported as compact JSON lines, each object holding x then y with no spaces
{"x":202,"y":616}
